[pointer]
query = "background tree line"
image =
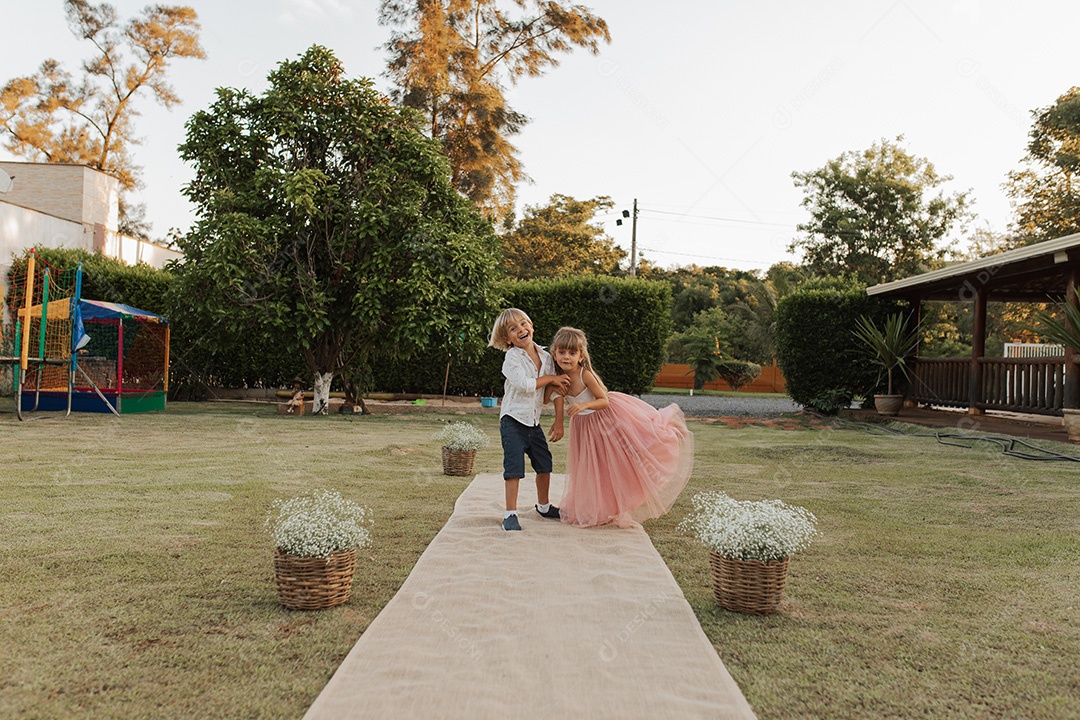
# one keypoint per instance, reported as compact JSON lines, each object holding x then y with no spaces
{"x":282,"y":234}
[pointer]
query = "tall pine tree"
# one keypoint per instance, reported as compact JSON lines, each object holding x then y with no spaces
{"x":454,"y":59}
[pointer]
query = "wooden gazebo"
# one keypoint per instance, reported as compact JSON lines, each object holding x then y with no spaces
{"x":1045,"y":272}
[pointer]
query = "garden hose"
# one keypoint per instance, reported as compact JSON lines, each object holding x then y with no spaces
{"x":1010,"y":446}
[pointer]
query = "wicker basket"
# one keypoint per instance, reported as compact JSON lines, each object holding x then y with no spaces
{"x":748,"y":586}
{"x":457,"y":462}
{"x":307,"y":583}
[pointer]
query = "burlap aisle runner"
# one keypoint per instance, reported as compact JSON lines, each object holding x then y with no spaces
{"x":550,"y":622}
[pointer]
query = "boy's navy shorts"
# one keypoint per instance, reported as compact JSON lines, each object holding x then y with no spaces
{"x":518,"y":441}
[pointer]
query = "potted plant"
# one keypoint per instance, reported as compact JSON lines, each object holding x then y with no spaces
{"x":890,"y":347}
{"x":460,"y":441}
{"x":1066,"y":333}
{"x":750,"y":544}
{"x":316,"y":537}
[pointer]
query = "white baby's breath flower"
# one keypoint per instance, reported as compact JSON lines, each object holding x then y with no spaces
{"x":459,"y":435}
{"x":318,"y":524}
{"x":761,"y":530}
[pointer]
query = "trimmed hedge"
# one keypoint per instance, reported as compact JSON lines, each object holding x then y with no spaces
{"x":192,"y":366}
{"x":140,"y":286}
{"x":626,"y":320}
{"x":824,"y":365}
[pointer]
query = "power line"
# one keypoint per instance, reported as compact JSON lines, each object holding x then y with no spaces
{"x":712,"y":224}
{"x":711,"y":217}
{"x":707,"y":257}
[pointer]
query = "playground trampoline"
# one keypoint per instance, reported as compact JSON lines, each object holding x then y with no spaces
{"x":68,"y":353}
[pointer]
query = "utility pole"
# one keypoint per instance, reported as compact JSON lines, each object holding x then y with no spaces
{"x":633,"y":238}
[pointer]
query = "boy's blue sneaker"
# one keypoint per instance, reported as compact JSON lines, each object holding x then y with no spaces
{"x":552,"y":512}
{"x":511,"y":523}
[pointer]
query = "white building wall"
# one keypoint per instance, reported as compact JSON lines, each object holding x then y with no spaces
{"x":132,"y":250}
{"x":63,"y":206}
{"x":22,"y":228}
{"x":59,"y":205}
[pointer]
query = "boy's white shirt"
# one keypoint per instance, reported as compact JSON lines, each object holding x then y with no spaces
{"x":521,"y":398}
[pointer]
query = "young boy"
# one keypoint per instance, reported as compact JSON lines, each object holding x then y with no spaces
{"x":528,"y":369}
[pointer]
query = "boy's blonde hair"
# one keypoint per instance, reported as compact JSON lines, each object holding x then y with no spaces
{"x":572,"y":339}
{"x":499,"y":337}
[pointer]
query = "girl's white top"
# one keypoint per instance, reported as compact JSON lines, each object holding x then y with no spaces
{"x":521,"y":398}
{"x":582,"y":397}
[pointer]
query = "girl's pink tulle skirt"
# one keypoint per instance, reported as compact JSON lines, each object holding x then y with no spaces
{"x":626,"y":463}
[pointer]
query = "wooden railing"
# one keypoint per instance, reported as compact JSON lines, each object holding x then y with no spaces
{"x":1031,"y":385}
{"x":941,"y":381}
{"x":1034,"y":385}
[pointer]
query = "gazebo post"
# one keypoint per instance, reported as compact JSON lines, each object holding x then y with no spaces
{"x":1071,"y":398}
{"x":916,"y":303}
{"x":978,"y":349}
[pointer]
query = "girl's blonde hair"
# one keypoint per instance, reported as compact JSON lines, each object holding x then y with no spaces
{"x":574,"y":340}
{"x":499,"y":337}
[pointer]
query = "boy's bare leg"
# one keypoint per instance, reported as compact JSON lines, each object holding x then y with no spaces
{"x":512,"y":493}
{"x":543,"y":487}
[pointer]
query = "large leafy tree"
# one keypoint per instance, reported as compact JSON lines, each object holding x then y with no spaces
{"x":51,"y":116}
{"x":877,"y":215}
{"x":327,"y":220}
{"x":455,"y":59}
{"x":695,"y":289}
{"x":560,"y":238}
{"x":1046,"y":191}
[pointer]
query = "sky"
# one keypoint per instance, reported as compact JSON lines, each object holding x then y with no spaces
{"x":700,"y":110}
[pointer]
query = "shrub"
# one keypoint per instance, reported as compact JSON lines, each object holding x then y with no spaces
{"x":737,"y":373}
{"x":626,"y":320}
{"x":109,"y":279}
{"x":815,"y":349}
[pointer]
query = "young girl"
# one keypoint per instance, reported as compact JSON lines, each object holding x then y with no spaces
{"x":296,"y":402}
{"x":627,"y":461}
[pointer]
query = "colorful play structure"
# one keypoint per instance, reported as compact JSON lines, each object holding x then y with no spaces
{"x":68,"y":353}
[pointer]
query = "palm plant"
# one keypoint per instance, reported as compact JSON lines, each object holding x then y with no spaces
{"x":759,"y":312}
{"x":1066,"y":332}
{"x":890,"y":345}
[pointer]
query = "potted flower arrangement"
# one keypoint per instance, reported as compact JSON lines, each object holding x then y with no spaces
{"x":460,"y":441}
{"x":316,"y":537}
{"x":890,"y":347}
{"x":750,"y":544}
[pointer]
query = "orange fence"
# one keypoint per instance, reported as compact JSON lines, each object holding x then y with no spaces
{"x":679,"y":376}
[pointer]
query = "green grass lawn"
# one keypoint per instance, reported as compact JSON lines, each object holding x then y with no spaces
{"x":136,"y":579}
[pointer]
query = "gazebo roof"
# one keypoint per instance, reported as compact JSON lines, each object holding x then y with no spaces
{"x":1034,"y":273}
